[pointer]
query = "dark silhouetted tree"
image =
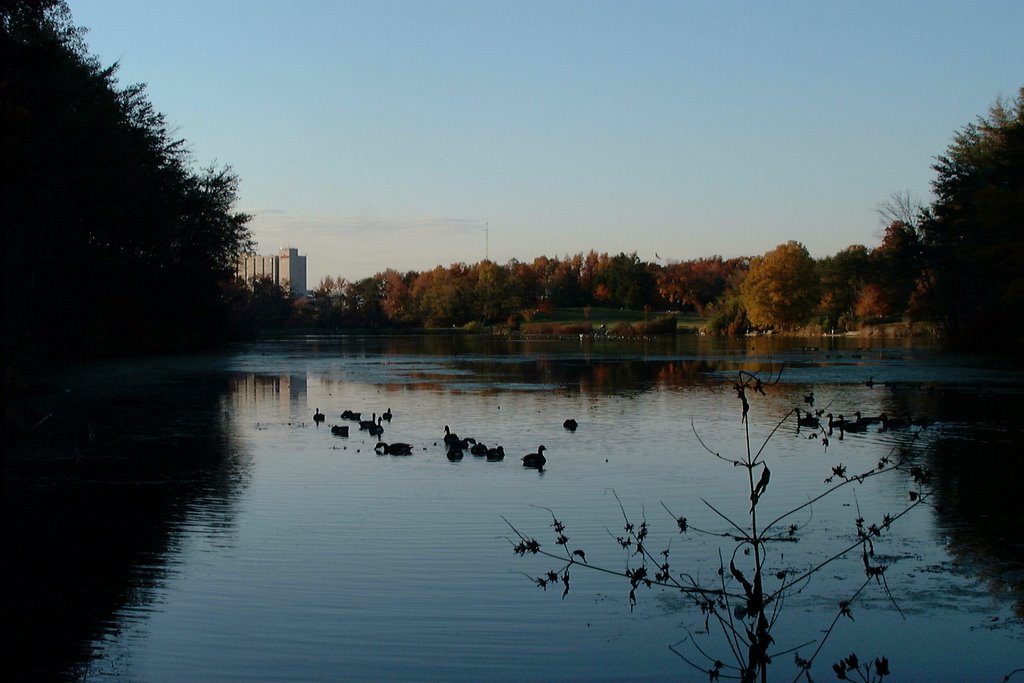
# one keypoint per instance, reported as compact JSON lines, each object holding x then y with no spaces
{"x":121,"y":245}
{"x":842,"y":278}
{"x":973,"y":233}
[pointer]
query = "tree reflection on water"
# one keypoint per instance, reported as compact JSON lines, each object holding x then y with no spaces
{"x":93,"y":508}
{"x":978,"y":479}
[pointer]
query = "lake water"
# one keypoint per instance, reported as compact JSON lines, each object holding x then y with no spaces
{"x":185,"y":519}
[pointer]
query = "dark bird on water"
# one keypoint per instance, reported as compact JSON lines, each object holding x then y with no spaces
{"x":894,"y":422}
{"x":452,"y":440}
{"x":495,"y":454}
{"x":570,"y":424}
{"x":393,"y":448}
{"x":808,"y":420}
{"x":858,"y":425}
{"x":449,"y":435}
{"x":339,"y":430}
{"x":535,"y":460}
{"x":318,"y":417}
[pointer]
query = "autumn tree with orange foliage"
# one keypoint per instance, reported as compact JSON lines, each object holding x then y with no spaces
{"x":782,"y":288}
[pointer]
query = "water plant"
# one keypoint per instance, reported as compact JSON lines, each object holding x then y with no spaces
{"x":741,"y":607}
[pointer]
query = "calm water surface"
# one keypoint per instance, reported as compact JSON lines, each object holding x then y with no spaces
{"x":185,"y":519}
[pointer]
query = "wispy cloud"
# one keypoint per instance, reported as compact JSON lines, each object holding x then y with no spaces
{"x":272,"y":222}
{"x":358,"y":246}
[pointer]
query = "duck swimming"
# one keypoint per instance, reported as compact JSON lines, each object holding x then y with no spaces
{"x":318,"y":417}
{"x":452,"y":440}
{"x":449,"y":435}
{"x":535,"y":460}
{"x":809,"y":420}
{"x":570,"y":424}
{"x":339,"y":430}
{"x":398,"y":448}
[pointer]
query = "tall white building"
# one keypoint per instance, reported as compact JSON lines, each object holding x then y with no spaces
{"x":293,"y":270}
{"x":287,"y":269}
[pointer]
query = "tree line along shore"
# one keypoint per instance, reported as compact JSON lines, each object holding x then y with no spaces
{"x":125,"y":246}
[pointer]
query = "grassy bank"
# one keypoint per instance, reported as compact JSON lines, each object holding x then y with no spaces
{"x":612,"y":320}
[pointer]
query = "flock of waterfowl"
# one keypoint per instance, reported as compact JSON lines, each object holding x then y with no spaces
{"x":454,"y":445}
{"x":812,"y":419}
{"x":861,"y":422}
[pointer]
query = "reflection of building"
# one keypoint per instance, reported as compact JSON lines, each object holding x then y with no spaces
{"x":287,"y":269}
{"x":281,"y":393}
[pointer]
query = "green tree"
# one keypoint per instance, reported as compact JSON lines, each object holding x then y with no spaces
{"x":973,"y":233}
{"x":364,"y":300}
{"x":782,"y":288}
{"x":628,"y":282}
{"x":842,"y":278}
{"x":492,"y":295}
{"x":261,"y":303}
{"x":897,"y":264}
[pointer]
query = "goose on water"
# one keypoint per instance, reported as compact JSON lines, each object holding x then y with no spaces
{"x":449,"y":435}
{"x":535,"y":460}
{"x":858,"y":425}
{"x":495,"y":454}
{"x":833,"y":423}
{"x":809,"y":420}
{"x":894,"y":422}
{"x":366,"y":424}
{"x":376,"y":429}
{"x":386,"y":415}
{"x":339,"y":430}
{"x":349,"y":415}
{"x":318,"y":417}
{"x":452,"y":440}
{"x":398,"y":448}
{"x":844,"y":425}
{"x":570,"y":424}
{"x":478,"y":449}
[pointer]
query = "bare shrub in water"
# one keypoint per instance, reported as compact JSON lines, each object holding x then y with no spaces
{"x":744,"y":604}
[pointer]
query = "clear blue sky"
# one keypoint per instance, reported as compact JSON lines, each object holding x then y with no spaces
{"x":389,"y":134}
